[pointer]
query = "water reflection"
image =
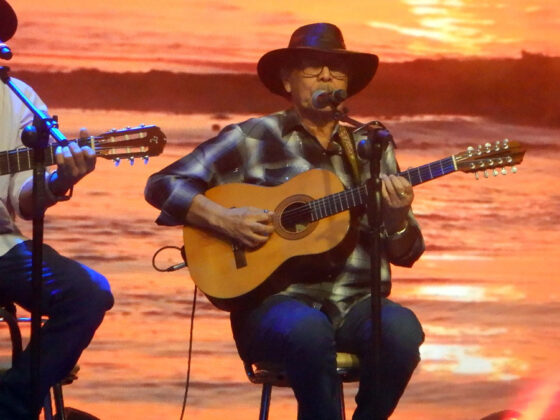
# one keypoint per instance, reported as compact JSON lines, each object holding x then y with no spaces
{"x":467,"y":293}
{"x":469,"y":360}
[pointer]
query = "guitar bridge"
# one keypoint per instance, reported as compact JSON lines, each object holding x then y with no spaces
{"x":239,"y":255}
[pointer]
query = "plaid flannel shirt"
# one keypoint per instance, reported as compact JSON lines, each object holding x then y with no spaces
{"x":269,"y":151}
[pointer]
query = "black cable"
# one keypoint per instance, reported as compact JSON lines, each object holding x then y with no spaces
{"x":172,"y":267}
{"x":189,"y":354}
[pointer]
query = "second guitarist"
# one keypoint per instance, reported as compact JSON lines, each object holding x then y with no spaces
{"x":74,"y":296}
{"x":323,"y":302}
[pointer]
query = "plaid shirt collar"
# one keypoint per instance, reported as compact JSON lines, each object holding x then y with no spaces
{"x":292,"y":122}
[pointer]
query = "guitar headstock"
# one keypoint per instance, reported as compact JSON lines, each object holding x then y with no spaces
{"x":130,"y":143}
{"x":495,"y":157}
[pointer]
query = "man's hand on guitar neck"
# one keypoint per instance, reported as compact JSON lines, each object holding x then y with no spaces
{"x":73,"y":163}
{"x":397,"y":197}
{"x":247,"y":225}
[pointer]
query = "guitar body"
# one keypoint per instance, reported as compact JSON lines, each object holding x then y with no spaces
{"x":225,"y":272}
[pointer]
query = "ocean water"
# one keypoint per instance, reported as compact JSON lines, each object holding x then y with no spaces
{"x":487,"y":290}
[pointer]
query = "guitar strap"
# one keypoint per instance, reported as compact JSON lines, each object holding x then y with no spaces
{"x":349,"y":151}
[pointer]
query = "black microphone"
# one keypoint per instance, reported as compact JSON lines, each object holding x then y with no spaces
{"x":322,"y":98}
{"x":380,"y":135}
{"x":5,"y":52}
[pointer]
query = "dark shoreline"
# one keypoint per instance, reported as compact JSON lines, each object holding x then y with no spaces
{"x":522,"y":91}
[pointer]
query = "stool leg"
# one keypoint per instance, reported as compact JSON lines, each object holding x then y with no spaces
{"x":59,"y":402}
{"x":47,"y":407}
{"x":342,"y":407}
{"x":265,"y":401}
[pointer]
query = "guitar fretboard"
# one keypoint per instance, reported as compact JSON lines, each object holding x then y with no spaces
{"x":430,"y":171}
{"x":18,"y":160}
{"x":355,"y":197}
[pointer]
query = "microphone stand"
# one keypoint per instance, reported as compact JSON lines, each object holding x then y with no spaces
{"x":371,"y":149}
{"x":36,"y":136}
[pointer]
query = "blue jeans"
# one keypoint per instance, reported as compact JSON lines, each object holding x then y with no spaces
{"x":74,"y":297}
{"x":287,"y":331}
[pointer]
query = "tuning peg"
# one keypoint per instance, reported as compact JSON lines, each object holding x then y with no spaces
{"x":117,"y":161}
{"x":476,"y":176}
{"x":479,"y":150}
{"x":513,"y":170}
{"x":506,"y":143}
{"x":131,"y":160}
{"x":495,"y":172}
{"x":146,"y":159}
{"x":470,"y":151}
{"x":488,"y":147}
{"x":485,"y":173}
{"x":504,"y":172}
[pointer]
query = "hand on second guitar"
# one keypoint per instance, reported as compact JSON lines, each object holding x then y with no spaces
{"x":73,"y":163}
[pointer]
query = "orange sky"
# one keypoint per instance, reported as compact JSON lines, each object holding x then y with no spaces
{"x":197,"y":35}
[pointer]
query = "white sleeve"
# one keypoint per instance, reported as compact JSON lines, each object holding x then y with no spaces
{"x":21,"y":117}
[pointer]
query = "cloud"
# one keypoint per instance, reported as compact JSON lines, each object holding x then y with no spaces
{"x":281,"y":18}
{"x":218,"y":6}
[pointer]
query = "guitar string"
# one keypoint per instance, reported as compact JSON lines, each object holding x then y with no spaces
{"x":12,"y":158}
{"x":310,"y":208}
{"x":8,"y":154}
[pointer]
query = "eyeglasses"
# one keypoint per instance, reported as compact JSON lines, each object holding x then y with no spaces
{"x":314,"y":69}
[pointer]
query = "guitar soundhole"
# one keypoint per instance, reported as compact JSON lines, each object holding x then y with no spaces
{"x":292,"y":217}
{"x":295,"y":218}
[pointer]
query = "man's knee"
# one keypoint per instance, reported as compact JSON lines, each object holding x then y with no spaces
{"x":402,"y":332}
{"x":313,"y":338}
{"x":102,"y":292}
{"x":89,"y":297}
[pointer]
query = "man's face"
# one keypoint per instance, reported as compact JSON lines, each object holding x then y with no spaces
{"x":312,"y":73}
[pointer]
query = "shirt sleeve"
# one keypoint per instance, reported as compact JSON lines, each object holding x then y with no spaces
{"x":417,"y":248}
{"x":173,"y":188}
{"x":24,"y":117}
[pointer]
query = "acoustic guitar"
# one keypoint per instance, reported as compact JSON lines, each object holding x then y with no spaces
{"x":311,"y":216}
{"x":142,"y":142}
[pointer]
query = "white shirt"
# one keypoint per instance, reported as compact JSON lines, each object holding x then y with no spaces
{"x":14,"y":117}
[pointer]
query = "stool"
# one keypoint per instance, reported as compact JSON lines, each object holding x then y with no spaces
{"x":7,"y":315}
{"x":272,"y":374}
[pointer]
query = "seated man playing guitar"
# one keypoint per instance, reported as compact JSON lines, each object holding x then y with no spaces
{"x":74,"y":297}
{"x":312,"y":306}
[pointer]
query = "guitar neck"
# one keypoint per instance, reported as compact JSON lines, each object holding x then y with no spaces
{"x":357,"y":196}
{"x":22,"y":159}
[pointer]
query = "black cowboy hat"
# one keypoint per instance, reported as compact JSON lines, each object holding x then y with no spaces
{"x":8,"y":21}
{"x":313,"y":39}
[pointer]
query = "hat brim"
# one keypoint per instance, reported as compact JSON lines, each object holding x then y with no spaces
{"x":8,"y":21}
{"x":362,"y":67}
